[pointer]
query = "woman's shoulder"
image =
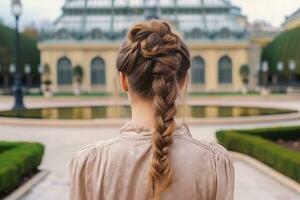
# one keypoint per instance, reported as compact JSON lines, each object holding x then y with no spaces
{"x":211,"y":155}
{"x":211,"y":149}
{"x":94,"y":149}
{"x":214,"y":148}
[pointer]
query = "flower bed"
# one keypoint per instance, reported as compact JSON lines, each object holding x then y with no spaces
{"x":259,"y":143}
{"x":17,"y":161}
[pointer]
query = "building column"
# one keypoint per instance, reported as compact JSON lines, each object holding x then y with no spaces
{"x":211,"y":74}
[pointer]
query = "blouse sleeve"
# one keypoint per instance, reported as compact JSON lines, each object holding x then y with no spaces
{"x":86,"y":169}
{"x":78,"y":178}
{"x":224,"y":175}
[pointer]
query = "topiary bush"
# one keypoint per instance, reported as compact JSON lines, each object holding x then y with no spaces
{"x":258,"y":143}
{"x":17,"y":160}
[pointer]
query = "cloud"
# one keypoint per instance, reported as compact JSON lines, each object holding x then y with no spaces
{"x":33,"y":10}
{"x":273,"y":11}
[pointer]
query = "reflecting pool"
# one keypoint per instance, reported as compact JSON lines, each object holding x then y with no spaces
{"x":101,"y":112}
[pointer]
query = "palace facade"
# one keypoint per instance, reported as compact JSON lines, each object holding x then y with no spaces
{"x":89,"y":33}
{"x":292,"y":21}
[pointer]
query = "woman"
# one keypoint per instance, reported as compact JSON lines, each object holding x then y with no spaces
{"x":153,"y":157}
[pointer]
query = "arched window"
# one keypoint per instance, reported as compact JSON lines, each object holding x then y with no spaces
{"x":225,"y":70}
{"x":196,"y":33}
{"x":62,"y":34}
{"x":96,"y":34}
{"x":198,"y":70}
{"x":64,"y":71}
{"x":225,"y":33}
{"x":98,"y":71}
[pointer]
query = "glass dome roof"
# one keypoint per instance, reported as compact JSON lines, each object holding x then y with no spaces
{"x":133,"y":3}
{"x":110,"y":19}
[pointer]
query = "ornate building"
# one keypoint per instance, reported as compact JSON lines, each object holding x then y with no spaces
{"x":89,"y":32}
{"x":292,"y":21}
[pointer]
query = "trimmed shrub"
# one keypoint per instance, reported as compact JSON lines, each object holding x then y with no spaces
{"x":285,"y":133}
{"x":258,"y":144}
{"x":17,"y":160}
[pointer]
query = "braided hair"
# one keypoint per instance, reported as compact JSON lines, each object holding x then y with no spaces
{"x":155,"y":60}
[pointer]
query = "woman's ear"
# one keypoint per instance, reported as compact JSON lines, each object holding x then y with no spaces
{"x":123,"y":80}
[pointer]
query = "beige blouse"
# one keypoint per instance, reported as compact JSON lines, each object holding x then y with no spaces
{"x":116,"y":169}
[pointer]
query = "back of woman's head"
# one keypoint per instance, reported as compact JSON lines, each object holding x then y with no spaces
{"x":155,"y":62}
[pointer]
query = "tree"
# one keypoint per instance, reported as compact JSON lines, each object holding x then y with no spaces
{"x":29,"y":51}
{"x":283,"y":48}
{"x":6,"y":58}
{"x":31,"y":32}
{"x":46,"y":81}
{"x":244,"y":73}
{"x":78,"y":76}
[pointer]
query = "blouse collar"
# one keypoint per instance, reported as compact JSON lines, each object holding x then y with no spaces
{"x":132,"y":129}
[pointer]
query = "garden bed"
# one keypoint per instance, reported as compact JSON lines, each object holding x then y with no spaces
{"x":262,"y":144}
{"x":291,"y":144}
{"x":18,"y":162}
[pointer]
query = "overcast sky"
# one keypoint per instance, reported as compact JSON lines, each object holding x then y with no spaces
{"x":273,"y":11}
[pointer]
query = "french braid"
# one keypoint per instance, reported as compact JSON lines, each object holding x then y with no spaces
{"x":155,"y":60}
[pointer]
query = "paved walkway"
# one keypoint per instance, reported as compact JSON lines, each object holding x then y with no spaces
{"x":62,"y":143}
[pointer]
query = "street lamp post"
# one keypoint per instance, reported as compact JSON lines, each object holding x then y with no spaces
{"x":16,"y":9}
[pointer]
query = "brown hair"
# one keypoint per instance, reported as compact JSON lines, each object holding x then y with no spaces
{"x":155,"y":60}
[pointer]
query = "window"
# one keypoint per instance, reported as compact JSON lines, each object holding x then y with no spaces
{"x":62,"y":34}
{"x":198,"y":70}
{"x":225,"y":33}
{"x":96,"y":34}
{"x":225,"y":70}
{"x":64,"y":71}
{"x":196,"y":33}
{"x":98,"y":71}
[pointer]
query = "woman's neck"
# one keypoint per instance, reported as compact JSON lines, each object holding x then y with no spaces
{"x":142,"y":113}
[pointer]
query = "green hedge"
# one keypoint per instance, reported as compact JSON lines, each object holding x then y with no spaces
{"x":17,"y":160}
{"x":256,"y":144}
{"x":285,"y":133}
